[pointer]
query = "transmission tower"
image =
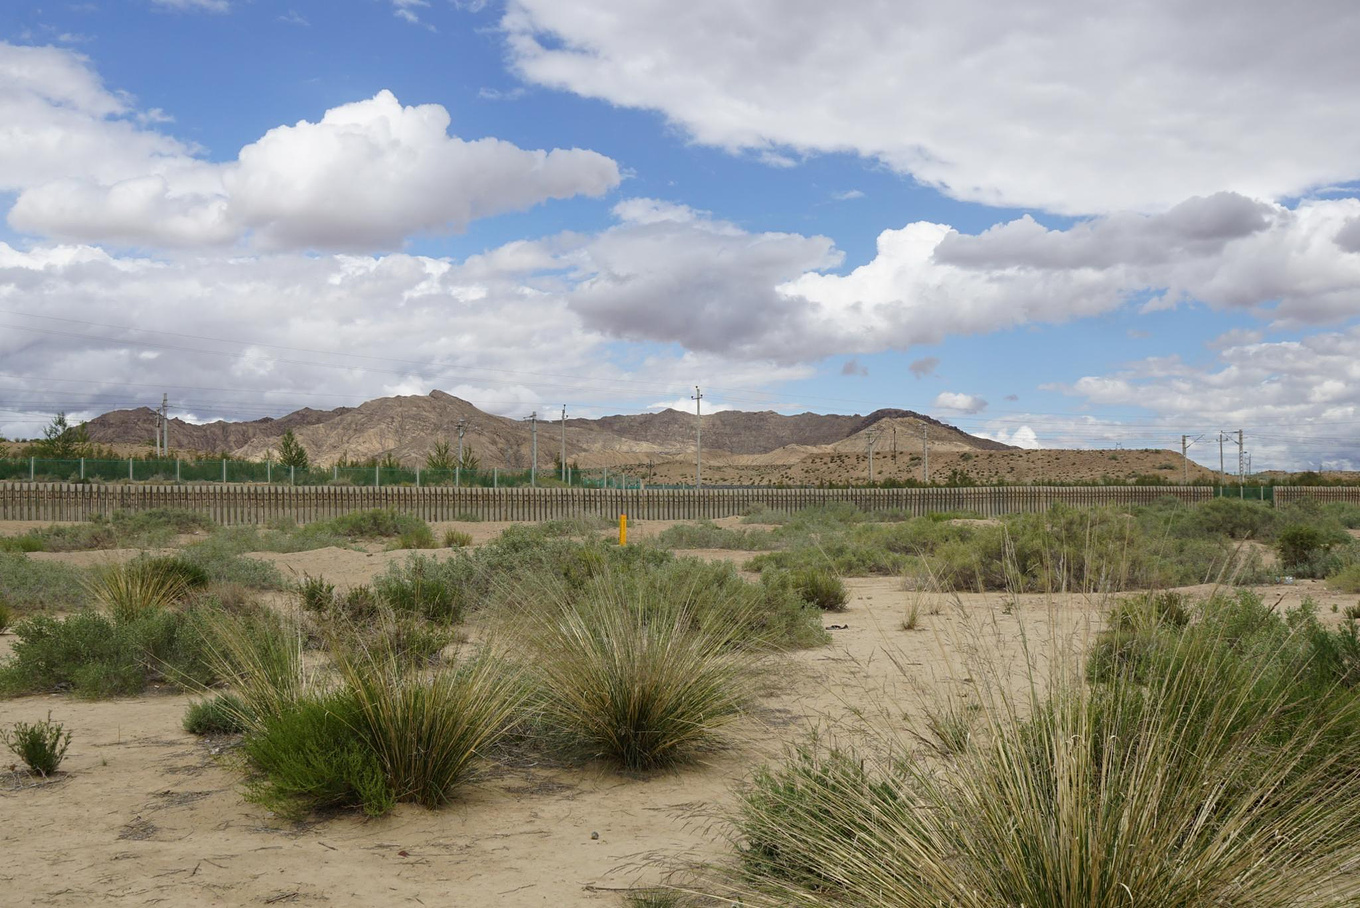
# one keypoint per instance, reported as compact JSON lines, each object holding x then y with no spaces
{"x":871,"y":438}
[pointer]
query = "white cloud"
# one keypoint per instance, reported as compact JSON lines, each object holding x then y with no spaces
{"x":1050,"y":104}
{"x":211,"y":6}
{"x":962,"y":403}
{"x":847,"y":195}
{"x":686,"y":405}
{"x":366,"y":176}
{"x":1020,"y":436}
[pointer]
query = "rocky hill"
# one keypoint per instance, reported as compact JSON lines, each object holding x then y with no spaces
{"x":409,"y":427}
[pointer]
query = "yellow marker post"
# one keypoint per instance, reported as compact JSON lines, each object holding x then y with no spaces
{"x":623,"y":529}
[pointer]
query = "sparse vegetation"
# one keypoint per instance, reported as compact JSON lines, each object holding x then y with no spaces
{"x":222,"y":714}
{"x":457,"y":539}
{"x":41,"y":745}
{"x":822,"y":588}
{"x":30,"y":586}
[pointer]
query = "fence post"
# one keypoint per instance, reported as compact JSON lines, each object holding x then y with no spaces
{"x":31,"y":465}
{"x":457,"y":475}
{"x":224,"y":471}
{"x":417,"y":476}
{"x":292,"y":474}
{"x":269,"y":471}
{"x":335,"y":472}
{"x":176,"y":470}
{"x":129,"y":469}
{"x":377,"y":480}
{"x":82,"y":469}
{"x":495,"y":477}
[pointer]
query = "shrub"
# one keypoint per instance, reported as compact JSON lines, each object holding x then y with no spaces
{"x":707,"y":535}
{"x":457,"y":539}
{"x":1347,"y":580}
{"x":821,"y":588}
{"x":1224,"y":773}
{"x":316,"y":594}
{"x":190,"y":575}
{"x":6,"y":616}
{"x":219,"y":556}
{"x":41,"y":745}
{"x":638,"y":680}
{"x":420,"y":538}
{"x":1351,"y":612}
{"x":427,"y":730}
{"x":1302,"y":548}
{"x":40,"y":585}
{"x":377,"y":523}
{"x":309,"y":757}
{"x":224,"y":714}
{"x":434,"y":590}
{"x":260,"y":657}
{"x":94,"y":655}
{"x":132,"y":589}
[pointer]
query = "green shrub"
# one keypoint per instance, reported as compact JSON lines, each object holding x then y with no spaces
{"x":377,"y":523}
{"x":707,"y":535}
{"x":1351,"y":612}
{"x":821,"y":588}
{"x":638,"y":680}
{"x":41,"y":745}
{"x":6,"y":616}
{"x":309,"y":757}
{"x":1347,"y":580}
{"x":94,"y":655}
{"x":223,"y":714}
{"x":420,"y":538}
{"x":1303,"y":548}
{"x":28,"y":542}
{"x":40,"y":585}
{"x":435,"y":590}
{"x":457,"y":539}
{"x":316,"y":594}
{"x":1221,"y":772}
{"x":136,"y":588}
{"x":218,"y":557}
{"x":191,"y":576}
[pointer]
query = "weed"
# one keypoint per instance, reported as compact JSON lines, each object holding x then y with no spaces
{"x":135,"y":588}
{"x":41,"y":745}
{"x":913,"y":617}
{"x":419,"y":538}
{"x":6,"y":616}
{"x":1351,"y":612}
{"x":316,"y":594}
{"x":434,"y":590}
{"x":457,"y":539}
{"x":40,"y":585}
{"x":1347,"y":580}
{"x":638,"y":680}
{"x":822,"y":588}
{"x":223,"y":714}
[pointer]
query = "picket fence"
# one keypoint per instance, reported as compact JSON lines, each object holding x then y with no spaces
{"x":258,"y":504}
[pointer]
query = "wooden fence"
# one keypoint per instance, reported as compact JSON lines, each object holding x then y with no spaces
{"x":254,"y":504}
{"x":1286,"y":495}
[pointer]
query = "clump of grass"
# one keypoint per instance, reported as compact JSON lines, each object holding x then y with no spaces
{"x":912,"y":619}
{"x":260,"y":657}
{"x":41,"y":745}
{"x":822,"y":588}
{"x":6,"y":616}
{"x":638,"y":682}
{"x":457,"y":539}
{"x":132,"y":589}
{"x":377,"y":523}
{"x":419,"y":538}
{"x":1351,"y":612}
{"x":949,"y":726}
{"x":655,"y":898}
{"x":316,"y":594}
{"x":223,"y":714}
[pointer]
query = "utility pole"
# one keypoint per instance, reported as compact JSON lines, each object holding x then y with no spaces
{"x":1185,"y":446}
{"x":462,"y":427}
{"x":871,"y":437}
{"x":165,"y":425}
{"x":1241,"y":462}
{"x":925,"y":452}
{"x":698,"y":397}
{"x":564,"y":442}
{"x":1222,"y":477}
{"x":533,"y":463}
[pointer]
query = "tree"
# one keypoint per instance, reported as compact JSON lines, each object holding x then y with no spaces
{"x":62,"y":441}
{"x":291,"y":451}
{"x":470,"y":462}
{"x":441,"y":458}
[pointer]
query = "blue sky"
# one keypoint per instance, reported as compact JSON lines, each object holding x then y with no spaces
{"x":1053,"y":229}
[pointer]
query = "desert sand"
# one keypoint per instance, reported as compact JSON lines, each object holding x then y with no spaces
{"x":144,"y":813}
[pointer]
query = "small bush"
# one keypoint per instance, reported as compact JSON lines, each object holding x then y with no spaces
{"x":135,"y":588}
{"x":190,"y":575}
{"x":435,"y":590}
{"x":419,"y":538}
{"x":639,"y":681}
{"x":316,"y":594}
{"x":40,"y":585}
{"x":41,"y":745}
{"x":1347,"y":580}
{"x":822,"y":588}
{"x":457,"y":539}
{"x":377,"y":523}
{"x":1351,"y":612}
{"x":6,"y":616}
{"x":224,"y":714}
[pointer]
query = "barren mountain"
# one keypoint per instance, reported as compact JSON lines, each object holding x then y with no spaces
{"x":409,"y":427}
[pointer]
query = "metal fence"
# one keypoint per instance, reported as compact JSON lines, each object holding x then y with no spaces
{"x":261,"y":503}
{"x":35,"y":469}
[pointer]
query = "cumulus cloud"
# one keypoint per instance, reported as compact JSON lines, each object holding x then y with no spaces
{"x":1020,"y":437}
{"x":924,"y":366}
{"x":1154,"y":103}
{"x":77,"y":334}
{"x":962,"y":403}
{"x":685,"y":405}
{"x":365,"y":176}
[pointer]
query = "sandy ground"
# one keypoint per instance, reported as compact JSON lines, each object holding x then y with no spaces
{"x":145,"y":813}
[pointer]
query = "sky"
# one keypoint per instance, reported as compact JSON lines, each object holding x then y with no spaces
{"x":1056,"y":224}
